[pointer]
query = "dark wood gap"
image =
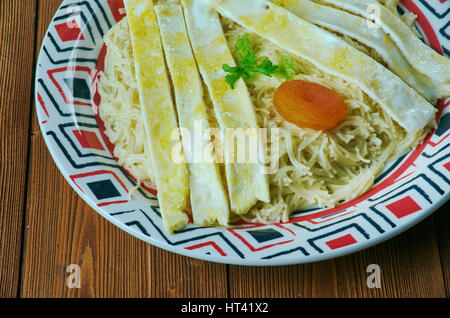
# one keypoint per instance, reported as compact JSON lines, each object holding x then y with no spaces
{"x":15,"y":90}
{"x":30,"y":135}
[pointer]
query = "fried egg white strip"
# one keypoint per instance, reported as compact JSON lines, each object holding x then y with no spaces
{"x":172,"y":180}
{"x":209,"y":200}
{"x":358,"y":29}
{"x":333,"y":55}
{"x":233,"y":108}
{"x":426,"y":60}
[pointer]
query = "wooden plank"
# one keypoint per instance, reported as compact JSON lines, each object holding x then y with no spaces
{"x":442,"y":221}
{"x":410,"y":267}
{"x":276,"y":282}
{"x":61,"y":230}
{"x":409,"y":263}
{"x":17,"y":29}
{"x":175,"y":276}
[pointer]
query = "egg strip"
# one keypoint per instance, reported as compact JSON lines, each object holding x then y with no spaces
{"x":172,"y":180}
{"x":333,"y":55}
{"x":246,"y":181}
{"x":209,"y":201}
{"x":358,"y":28}
{"x":426,"y":60}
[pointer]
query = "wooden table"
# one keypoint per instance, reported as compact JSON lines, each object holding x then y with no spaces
{"x":45,"y":226}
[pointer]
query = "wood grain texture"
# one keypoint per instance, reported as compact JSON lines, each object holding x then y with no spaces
{"x":61,"y":230}
{"x":442,"y":221}
{"x":175,"y":276}
{"x":410,"y":267}
{"x":17,"y":29}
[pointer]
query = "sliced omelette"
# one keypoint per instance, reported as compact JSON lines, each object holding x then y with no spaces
{"x":208,"y":196}
{"x":357,"y":28}
{"x":172,"y":180}
{"x":333,"y":55}
{"x":420,"y":56}
{"x":246,"y":182}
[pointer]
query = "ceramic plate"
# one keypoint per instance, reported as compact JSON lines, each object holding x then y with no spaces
{"x":70,"y":64}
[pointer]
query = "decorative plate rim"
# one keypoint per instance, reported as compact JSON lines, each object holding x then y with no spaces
{"x":233,"y":260}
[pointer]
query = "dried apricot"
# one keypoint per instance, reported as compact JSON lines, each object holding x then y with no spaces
{"x":309,"y":105}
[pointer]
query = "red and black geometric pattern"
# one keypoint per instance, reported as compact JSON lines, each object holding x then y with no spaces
{"x":70,"y":63}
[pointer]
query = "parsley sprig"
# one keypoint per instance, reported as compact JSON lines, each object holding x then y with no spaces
{"x":248,"y":65}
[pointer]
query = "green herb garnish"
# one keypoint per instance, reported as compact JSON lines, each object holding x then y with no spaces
{"x":247,"y":64}
{"x":287,"y":68}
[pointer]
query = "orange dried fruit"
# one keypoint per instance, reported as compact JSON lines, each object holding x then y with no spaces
{"x":309,"y":105}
